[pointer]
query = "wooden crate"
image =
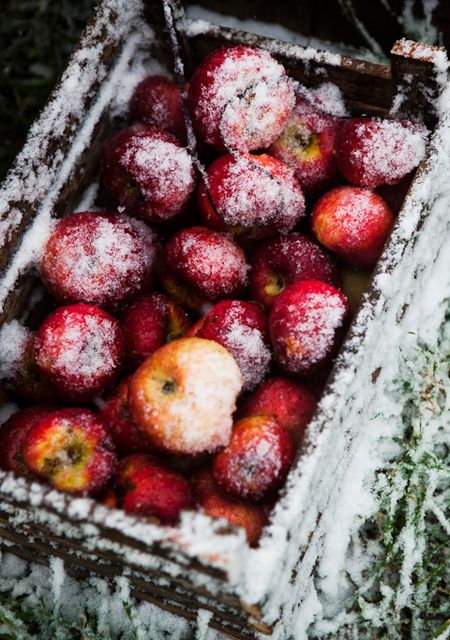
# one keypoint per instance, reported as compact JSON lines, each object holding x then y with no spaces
{"x":203,"y":563}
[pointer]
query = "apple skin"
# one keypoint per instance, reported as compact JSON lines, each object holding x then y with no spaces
{"x":199,"y":266}
{"x":71,"y":449}
{"x":167,"y":396}
{"x":376,"y":151}
{"x":147,"y":174}
{"x":28,"y":381}
{"x":354,"y":223}
{"x":287,"y":401}
{"x":147,"y":487}
{"x":306,"y":325}
{"x":308,"y":145}
{"x":80,"y":349}
{"x":150,"y":322}
{"x":115,"y":413}
{"x":215,"y":502}
{"x":158,"y":492}
{"x":240,"y":98}
{"x":157,"y":102}
{"x":280,"y":262}
{"x":12,"y":437}
{"x":98,"y":258}
{"x":251,"y":196}
{"x":240,"y":327}
{"x":257,"y":459}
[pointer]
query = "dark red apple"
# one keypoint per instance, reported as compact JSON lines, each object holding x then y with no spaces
{"x":280,"y":262}
{"x":306,"y":325}
{"x":80,"y":350}
{"x":147,"y":173}
{"x":354,"y":223}
{"x":240,"y":98}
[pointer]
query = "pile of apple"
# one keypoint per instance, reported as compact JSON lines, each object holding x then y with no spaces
{"x":202,"y":309}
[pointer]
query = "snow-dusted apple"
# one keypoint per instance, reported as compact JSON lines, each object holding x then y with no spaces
{"x":280,"y":262}
{"x":306,"y":325}
{"x":147,"y":173}
{"x":254,"y":196}
{"x":257,"y":459}
{"x":98,"y":258}
{"x":72,"y":450}
{"x":308,"y":145}
{"x":216,"y":503}
{"x":157,"y":102}
{"x":375,"y":151}
{"x":287,"y":401}
{"x":80,"y":350}
{"x":150,"y":322}
{"x":150,"y":489}
{"x":240,"y":327}
{"x":240,"y":98}
{"x":115,"y":413}
{"x":12,"y":437}
{"x":354,"y":223}
{"x":199,"y":265}
{"x":184,"y":394}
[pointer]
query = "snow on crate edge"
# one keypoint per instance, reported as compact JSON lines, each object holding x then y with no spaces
{"x":275,"y":540}
{"x":196,"y":536}
{"x":34,"y":238}
{"x":30,"y":178}
{"x":193,"y":27}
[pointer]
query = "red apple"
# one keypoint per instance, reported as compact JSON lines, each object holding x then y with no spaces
{"x":354,"y":223}
{"x":183,"y":396}
{"x":158,"y":492}
{"x":288,"y":402}
{"x":72,"y":450}
{"x":12,"y":437}
{"x":200,"y":265}
{"x":306,"y":325}
{"x":80,"y":350}
{"x":308,"y":145}
{"x":375,"y":151}
{"x":218,"y":504}
{"x":240,"y":98}
{"x":280,"y":262}
{"x":253,"y":195}
{"x":157,"y":102}
{"x":240,"y":327}
{"x":149,"y":323}
{"x":257,"y":459}
{"x":27,"y":378}
{"x":115,"y":413}
{"x":97,"y":258}
{"x":147,"y":173}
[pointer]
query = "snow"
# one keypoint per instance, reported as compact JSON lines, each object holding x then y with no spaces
{"x":13,"y":339}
